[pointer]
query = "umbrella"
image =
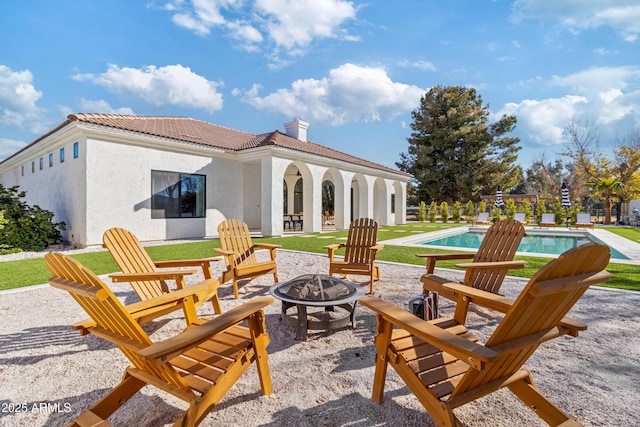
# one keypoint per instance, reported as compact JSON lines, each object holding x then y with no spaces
{"x":499,"y":201}
{"x":565,"y":202}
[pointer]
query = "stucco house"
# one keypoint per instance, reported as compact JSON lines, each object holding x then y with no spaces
{"x":176,"y":177}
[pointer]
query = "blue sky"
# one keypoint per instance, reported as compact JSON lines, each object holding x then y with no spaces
{"x":355,"y":70}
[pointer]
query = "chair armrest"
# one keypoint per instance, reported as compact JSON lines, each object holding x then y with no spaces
{"x":186,"y":262}
{"x":480,"y":297}
{"x":172,"y":347}
{"x":334,"y":246}
{"x":153,"y":275}
{"x":266,"y":246}
{"x":201,"y":292}
{"x":511,"y":265}
{"x":503,"y":304}
{"x":467,"y":351}
{"x":377,"y":247}
{"x":432,"y":258}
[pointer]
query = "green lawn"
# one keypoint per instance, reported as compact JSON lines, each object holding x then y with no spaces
{"x":15,"y":274}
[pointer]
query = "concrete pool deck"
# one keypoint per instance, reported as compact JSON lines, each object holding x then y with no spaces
{"x":625,"y":246}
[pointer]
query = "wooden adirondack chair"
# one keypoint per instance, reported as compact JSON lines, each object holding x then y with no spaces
{"x":198,"y":366}
{"x":360,"y":251}
{"x":146,"y":280}
{"x":490,"y":265}
{"x":239,"y":254}
{"x":445,"y":366}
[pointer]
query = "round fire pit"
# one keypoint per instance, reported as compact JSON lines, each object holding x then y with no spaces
{"x":317,"y":290}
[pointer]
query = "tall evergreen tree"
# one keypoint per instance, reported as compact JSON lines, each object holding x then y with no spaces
{"x":454,"y":152}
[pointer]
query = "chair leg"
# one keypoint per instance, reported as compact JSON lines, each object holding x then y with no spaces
{"x":115,"y":398}
{"x":215,"y":302}
{"x":543,"y":407}
{"x":235,"y":287}
{"x":382,"y":341}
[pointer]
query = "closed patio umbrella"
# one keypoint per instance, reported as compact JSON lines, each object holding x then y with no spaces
{"x":499,"y":201}
{"x":565,"y":202}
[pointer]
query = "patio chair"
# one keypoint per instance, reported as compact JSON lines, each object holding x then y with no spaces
{"x":490,"y":264}
{"x":446,"y":366}
{"x":483,"y":219}
{"x":583,"y":220}
{"x":198,"y":365}
{"x":520,"y":217}
{"x":147,"y":280}
{"x":239,"y":254}
{"x":361,"y":249}
{"x":547,"y":220}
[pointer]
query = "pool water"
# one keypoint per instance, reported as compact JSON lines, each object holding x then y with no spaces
{"x":531,"y":243}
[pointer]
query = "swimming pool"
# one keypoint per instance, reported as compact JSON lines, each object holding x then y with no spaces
{"x":531,"y":243}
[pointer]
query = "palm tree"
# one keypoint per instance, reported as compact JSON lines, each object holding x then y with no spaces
{"x":607,"y":187}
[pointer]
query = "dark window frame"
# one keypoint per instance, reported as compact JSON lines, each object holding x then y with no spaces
{"x":185,"y":204}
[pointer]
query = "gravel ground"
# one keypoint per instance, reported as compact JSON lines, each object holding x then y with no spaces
{"x":49,"y":374}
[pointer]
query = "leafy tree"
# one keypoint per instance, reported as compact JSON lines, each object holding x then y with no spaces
{"x":444,"y":211}
{"x":454,"y":152}
{"x":482,"y":206}
{"x":469,"y":211}
{"x":496,"y":214}
{"x":608,"y":188}
{"x":525,"y":208}
{"x":29,"y":228}
{"x":433,"y":211}
{"x":456,"y":212}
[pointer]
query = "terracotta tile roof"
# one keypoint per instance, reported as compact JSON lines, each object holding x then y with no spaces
{"x":199,"y":132}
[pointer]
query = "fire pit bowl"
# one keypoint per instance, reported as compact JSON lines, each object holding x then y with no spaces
{"x":317,"y":290}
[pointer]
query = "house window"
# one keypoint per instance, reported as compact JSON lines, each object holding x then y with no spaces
{"x":41,"y":163}
{"x":75,"y":150}
{"x":177,"y":195}
{"x":33,"y":167}
{"x":62,"y":155}
{"x":297,"y":197}
{"x":393,"y":203}
{"x":50,"y":159}
{"x":22,"y":170}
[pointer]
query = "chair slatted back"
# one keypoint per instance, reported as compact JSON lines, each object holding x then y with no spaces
{"x":234,"y":236}
{"x":545,"y":300}
{"x":500,"y":243}
{"x":127,"y":251}
{"x":363,"y":233}
{"x":110,"y":316}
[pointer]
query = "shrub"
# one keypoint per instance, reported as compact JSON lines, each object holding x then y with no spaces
{"x":444,"y":212}
{"x":422,"y":213}
{"x":28,"y":228}
{"x":469,"y":211}
{"x":482,"y":206}
{"x":433,"y":211}
{"x":456,"y":211}
{"x":510,"y":208}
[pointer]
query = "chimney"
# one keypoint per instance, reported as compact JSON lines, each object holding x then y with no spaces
{"x":297,"y":129}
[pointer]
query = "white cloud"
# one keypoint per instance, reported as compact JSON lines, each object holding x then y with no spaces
{"x":579,"y":15}
{"x":543,"y":122}
{"x":420,"y":64}
{"x":9,"y":147}
{"x":294,"y":24}
{"x":102,"y":107}
{"x":18,"y":98}
{"x":160,"y":86}
{"x":274,"y":26}
{"x":350,"y":93}
{"x":607,"y":89}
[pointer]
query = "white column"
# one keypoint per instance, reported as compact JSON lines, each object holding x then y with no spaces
{"x":271,"y":213}
{"x":343,"y":200}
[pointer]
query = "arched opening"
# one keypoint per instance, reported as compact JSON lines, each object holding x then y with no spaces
{"x":328,"y":203}
{"x":298,"y":193}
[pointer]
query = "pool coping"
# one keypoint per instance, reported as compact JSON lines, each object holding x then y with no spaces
{"x":625,"y":246}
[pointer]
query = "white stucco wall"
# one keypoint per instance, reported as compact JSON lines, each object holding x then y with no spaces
{"x":60,"y":188}
{"x":119,"y":191}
